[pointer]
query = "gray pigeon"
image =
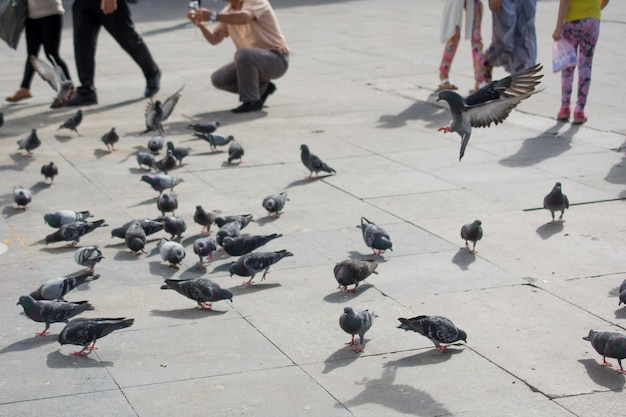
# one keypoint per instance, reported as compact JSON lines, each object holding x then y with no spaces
{"x":215,"y":140}
{"x":235,"y":152}
{"x":56,"y":288}
{"x":375,"y":237}
{"x":72,"y":232}
{"x":242,"y":219}
{"x":167,"y":163}
{"x":204,"y":128}
{"x":110,"y":139}
{"x":56,"y":77}
{"x":172,"y":252}
{"x":203,"y":247}
{"x":275,"y":203}
{"x":30,"y":142}
{"x":85,"y":332}
{"x":178,"y":152}
{"x":88,"y":256}
{"x":355,"y":323}
{"x":150,"y":227}
{"x":47,"y":311}
{"x":157,"y":112}
{"x":73,"y":122}
{"x":205,"y":218}
{"x":609,"y":345}
{"x":200,"y":290}
{"x":22,"y":197}
{"x":57,"y":219}
{"x":49,"y":171}
{"x":556,"y":201}
{"x":252,"y":263}
{"x":167,"y":203}
{"x":146,"y":159}
{"x":622,"y":293}
{"x":135,"y":238}
{"x":155,"y":143}
{"x":242,"y":245}
{"x":491,"y":104}
{"x":161,"y":182}
{"x":313,"y":163}
{"x":230,"y":229}
{"x":472,"y":232}
{"x":353,"y":271}
{"x":175,"y":226}
{"x":440,"y":330}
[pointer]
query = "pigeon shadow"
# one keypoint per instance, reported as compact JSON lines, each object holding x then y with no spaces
{"x":339,"y":359}
{"x":620,"y":313}
{"x":226,"y":117}
{"x":463,"y":258}
{"x":367,"y":256}
{"x":57,"y":360}
{"x":617,"y":173}
{"x":193,"y":272}
{"x":58,"y":249}
{"x":604,"y":376}
{"x":41,"y":185}
{"x":298,"y":183}
{"x":547,"y":230}
{"x":161,"y":269}
{"x":240,"y":290}
{"x":546,"y":145}
{"x":233,"y":164}
{"x":125,"y":255}
{"x":343,"y":296}
{"x":10,"y":211}
{"x":145,"y":202}
{"x":428,"y":357}
{"x":142,"y":171}
{"x":262,"y":221}
{"x":21,"y":162}
{"x":190,"y":240}
{"x":63,"y":138}
{"x":187,"y":313}
{"x":28,"y":344}
{"x":434,"y":115}
{"x":99,"y":153}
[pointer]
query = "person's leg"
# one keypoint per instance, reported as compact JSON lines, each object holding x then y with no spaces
{"x":33,"y":43}
{"x":571,"y":33}
{"x":225,"y":78}
{"x":449,"y":51}
{"x":500,"y":52}
{"x":589,"y":31}
{"x":86,"y":29}
{"x":525,"y":36}
{"x":477,"y":45}
{"x":51,"y":27}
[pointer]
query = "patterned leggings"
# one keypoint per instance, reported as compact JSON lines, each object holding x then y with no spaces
{"x":477,"y":46}
{"x":583,"y":35}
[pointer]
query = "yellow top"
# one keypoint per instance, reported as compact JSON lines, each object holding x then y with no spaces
{"x":583,"y":9}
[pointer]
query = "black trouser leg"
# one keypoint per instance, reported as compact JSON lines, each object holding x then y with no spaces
{"x":33,"y":43}
{"x":86,"y":28}
{"x":51,"y":27}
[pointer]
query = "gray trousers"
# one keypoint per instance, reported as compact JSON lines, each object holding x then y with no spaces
{"x":250,"y":72}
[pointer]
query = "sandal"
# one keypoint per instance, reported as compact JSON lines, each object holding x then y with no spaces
{"x":447,"y":85}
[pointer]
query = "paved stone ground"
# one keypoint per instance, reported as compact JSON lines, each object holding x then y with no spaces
{"x":360,"y":93}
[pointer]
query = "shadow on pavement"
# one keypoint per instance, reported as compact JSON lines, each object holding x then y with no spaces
{"x":603,"y":375}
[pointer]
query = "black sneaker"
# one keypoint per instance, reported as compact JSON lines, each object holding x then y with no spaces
{"x":249,"y":106}
{"x":83,"y":99}
{"x":153,"y":84}
{"x":271,"y":87}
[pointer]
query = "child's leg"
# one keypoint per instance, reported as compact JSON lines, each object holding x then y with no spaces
{"x":448,"y":54}
{"x":571,"y":33}
{"x":477,"y":44}
{"x":589,"y":31}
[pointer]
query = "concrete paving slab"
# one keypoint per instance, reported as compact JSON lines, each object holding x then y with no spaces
{"x":601,"y":403}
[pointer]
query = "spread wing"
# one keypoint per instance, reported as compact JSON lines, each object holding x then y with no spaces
{"x":494,"y":111}
{"x":170,"y":103}
{"x":49,"y":73}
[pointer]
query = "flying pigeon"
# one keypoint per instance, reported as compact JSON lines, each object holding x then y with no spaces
{"x":57,"y":219}
{"x":375,"y":237}
{"x":172,"y":252}
{"x":56,"y":288}
{"x":203,"y":247}
{"x":275,"y":203}
{"x":440,"y":330}
{"x":235,"y":151}
{"x":110,"y":139}
{"x":355,"y":323}
{"x":353,"y":271}
{"x":22,"y":197}
{"x":47,"y":311}
{"x":175,"y":226}
{"x":49,"y":171}
{"x":178,"y":152}
{"x":56,"y":77}
{"x":205,"y":128}
{"x":30,"y":142}
{"x":157,"y":112}
{"x":135,"y":238}
{"x":609,"y":345}
{"x":73,"y":122}
{"x":200,"y":290}
{"x":88,"y":256}
{"x":252,"y":263}
{"x":491,"y":104}
{"x":167,"y":203}
{"x":155,"y":144}
{"x":161,"y":182}
{"x":312,"y":162}
{"x":205,"y":218}
{"x":242,"y":219}
{"x":215,"y":140}
{"x":72,"y":232}
{"x":85,"y":332}
{"x":230,"y":229}
{"x":556,"y":201}
{"x":622,"y":293}
{"x":242,"y":245}
{"x":147,"y":159}
{"x":472,"y":232}
{"x":149,"y":227}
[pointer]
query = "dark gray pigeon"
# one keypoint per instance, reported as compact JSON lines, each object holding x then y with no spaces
{"x":57,"y":219}
{"x":22,"y":197}
{"x":204,"y":247}
{"x":472,"y":232}
{"x":230,"y":229}
{"x":205,"y":128}
{"x":622,"y":293}
{"x":235,"y":152}
{"x":56,"y":288}
{"x":355,"y":323}
{"x":215,"y":140}
{"x":353,"y":271}
{"x":110,"y":139}
{"x":178,"y":151}
{"x":242,"y":245}
{"x":47,"y":311}
{"x":73,"y":122}
{"x":175,"y":226}
{"x":56,"y":77}
{"x":155,"y":143}
{"x":72,"y":232}
{"x":30,"y":142}
{"x":167,"y":203}
{"x":275,"y":203}
{"x":149,"y":227}
{"x":161,"y":182}
{"x":146,"y":159}
{"x":49,"y":171}
{"x":135,"y":238}
{"x":556,"y":201}
{"x":205,"y":218}
{"x":167,"y":163}
{"x":88,"y":256}
{"x":172,"y":252}
{"x":200,"y":290}
{"x":609,"y":345}
{"x":85,"y":332}
{"x":440,"y":330}
{"x":491,"y":104}
{"x":157,"y":112}
{"x":313,"y":163}
{"x":375,"y":237}
{"x":252,"y":263}
{"x":242,"y":219}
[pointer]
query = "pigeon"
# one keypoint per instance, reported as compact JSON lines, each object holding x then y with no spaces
{"x":556,"y":201}
{"x":84,"y":332}
{"x":178,"y":152}
{"x":175,"y":226}
{"x":491,"y":104}
{"x":242,"y":219}
{"x":56,"y":288}
{"x":622,"y":293}
{"x":172,"y":252}
{"x":609,"y":345}
{"x":57,"y":219}
{"x":375,"y":237}
{"x":353,"y":271}
{"x":155,"y":144}
{"x":30,"y":142}
{"x":205,"y":128}
{"x":440,"y":330}
{"x":203,"y":247}
{"x":73,"y":231}
{"x":110,"y":139}
{"x":147,"y":159}
{"x":157,"y":112}
{"x":215,"y":140}
{"x":167,"y":203}
{"x":73,"y":122}
{"x":205,"y":218}
{"x":135,"y":238}
{"x":275,"y":203}
{"x":88,"y":256}
{"x":358,"y":322}
{"x":167,"y":163}
{"x":252,"y":263}
{"x":200,"y":290}
{"x":230,"y":229}
{"x":149,"y":227}
{"x":235,"y":151}
{"x":241,"y":245}
{"x":313,"y":163}
{"x":472,"y":231}
{"x":161,"y":182}
{"x":49,"y":171}
{"x":56,"y":77}
{"x":22,"y":197}
{"x":47,"y":311}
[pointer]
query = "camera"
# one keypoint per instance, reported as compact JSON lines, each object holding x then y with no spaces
{"x":194,"y":5}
